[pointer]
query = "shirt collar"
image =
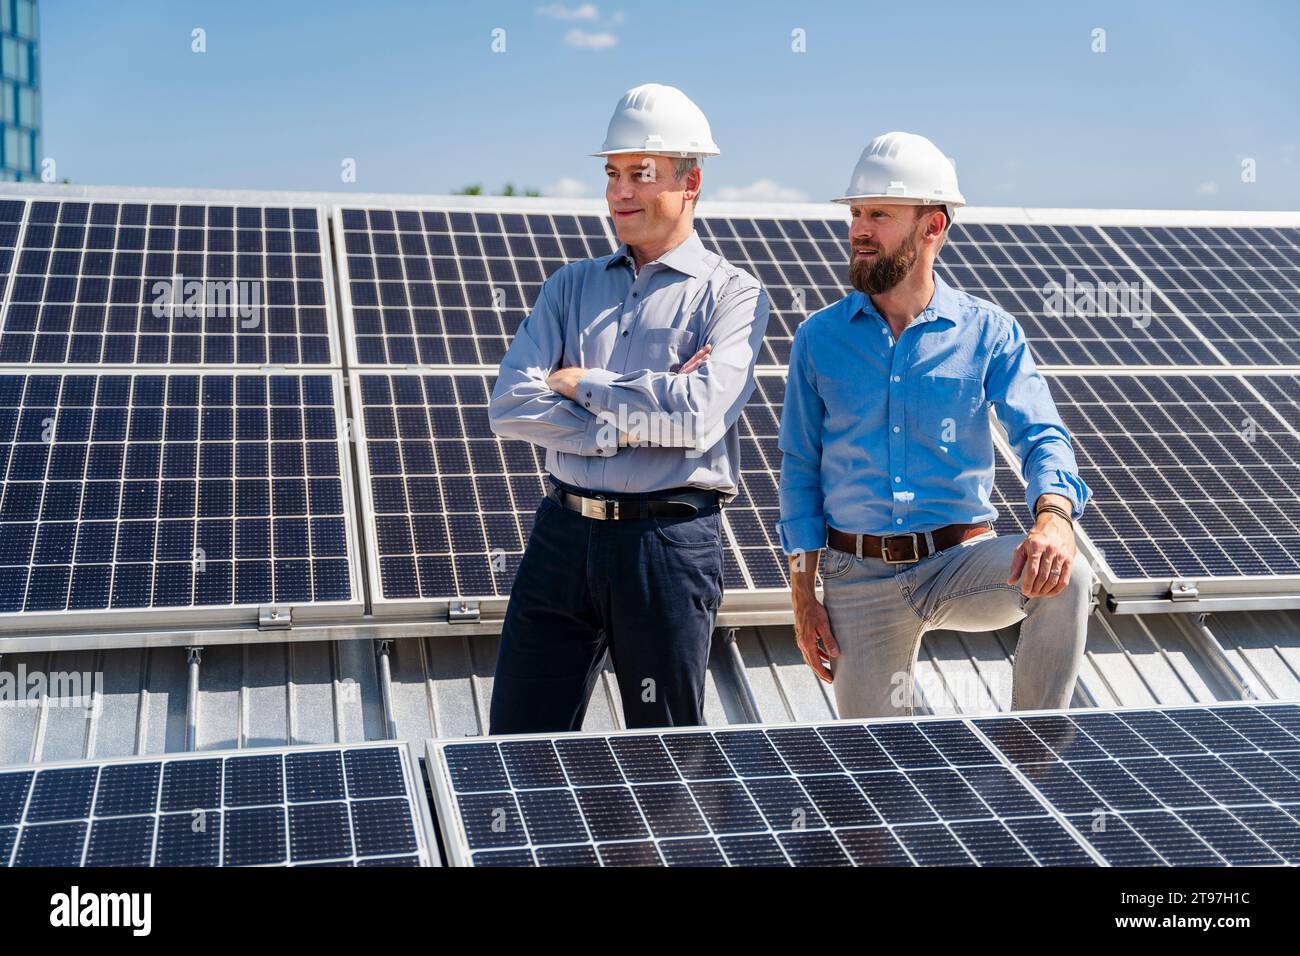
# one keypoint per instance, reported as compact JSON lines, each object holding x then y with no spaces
{"x":945,"y":304}
{"x":689,"y":257}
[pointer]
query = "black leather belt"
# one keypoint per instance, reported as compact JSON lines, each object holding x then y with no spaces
{"x":675,"y":503}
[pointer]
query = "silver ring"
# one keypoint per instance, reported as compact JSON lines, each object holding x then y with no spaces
{"x":1056,"y":573}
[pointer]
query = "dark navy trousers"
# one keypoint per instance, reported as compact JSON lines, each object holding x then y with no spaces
{"x":647,"y":590}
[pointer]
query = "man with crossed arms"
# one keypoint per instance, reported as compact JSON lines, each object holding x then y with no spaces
{"x":888,"y":461}
{"x":631,"y":371}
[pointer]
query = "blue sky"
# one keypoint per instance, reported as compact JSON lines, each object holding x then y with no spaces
{"x":412,"y":91}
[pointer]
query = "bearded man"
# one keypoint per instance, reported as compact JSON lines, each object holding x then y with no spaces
{"x":888,"y":461}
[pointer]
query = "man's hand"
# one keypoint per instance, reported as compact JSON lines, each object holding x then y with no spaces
{"x":812,"y":626}
{"x":564,"y":381}
{"x":1041,"y":563}
{"x":694,"y":362}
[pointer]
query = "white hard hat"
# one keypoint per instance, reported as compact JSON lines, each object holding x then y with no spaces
{"x":653,"y":118}
{"x":903,"y":168}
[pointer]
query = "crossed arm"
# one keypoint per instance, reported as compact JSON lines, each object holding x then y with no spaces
{"x":536,"y":395}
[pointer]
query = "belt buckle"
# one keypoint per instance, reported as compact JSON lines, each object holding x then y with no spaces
{"x":599,"y":508}
{"x":885,"y":549}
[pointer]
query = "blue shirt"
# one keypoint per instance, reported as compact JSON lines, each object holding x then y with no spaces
{"x":882,"y":436}
{"x":636,"y":425}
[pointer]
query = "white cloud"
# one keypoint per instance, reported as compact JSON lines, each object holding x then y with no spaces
{"x":558,"y":11}
{"x":584,"y":40}
{"x":567,"y":188}
{"x":762,"y":190}
{"x":1207,"y":188}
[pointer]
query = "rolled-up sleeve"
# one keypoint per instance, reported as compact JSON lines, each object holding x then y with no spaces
{"x":523,"y":406}
{"x":1024,"y":405}
{"x":803,"y":523}
{"x":695,"y":410}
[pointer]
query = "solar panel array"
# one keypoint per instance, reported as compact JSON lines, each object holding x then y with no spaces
{"x":141,"y":473}
{"x":338,"y":806}
{"x":1194,"y":786}
{"x":453,"y":503}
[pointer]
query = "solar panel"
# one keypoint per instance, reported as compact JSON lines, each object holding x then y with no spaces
{"x":453,"y":504}
{"x":803,"y":263}
{"x":1179,"y":786}
{"x":162,"y":283}
{"x":1238,"y":286}
{"x":1193,"y":475}
{"x":434,"y":287}
{"x":187,"y":494}
{"x":328,"y":805}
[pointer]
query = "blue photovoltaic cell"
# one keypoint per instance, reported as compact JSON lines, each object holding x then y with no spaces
{"x":1184,"y":786}
{"x":170,"y":491}
{"x":249,"y":809}
{"x":106,"y":283}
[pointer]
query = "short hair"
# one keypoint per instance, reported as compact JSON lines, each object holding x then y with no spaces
{"x":683,"y":165}
{"x":925,"y":208}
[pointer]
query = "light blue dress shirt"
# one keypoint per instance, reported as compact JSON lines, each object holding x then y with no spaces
{"x":881,"y":436}
{"x":636,"y":425}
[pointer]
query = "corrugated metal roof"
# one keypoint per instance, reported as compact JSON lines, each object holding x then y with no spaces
{"x":268,"y":694}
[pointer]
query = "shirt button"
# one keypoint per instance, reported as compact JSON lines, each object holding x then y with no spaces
{"x":897,"y":378}
{"x":896,"y":428}
{"x":898,"y":521}
{"x":897,"y":478}
{"x":635,"y":294}
{"x":589,"y":394}
{"x":625,"y":333}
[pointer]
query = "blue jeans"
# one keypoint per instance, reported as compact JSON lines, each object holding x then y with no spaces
{"x":648,"y":590}
{"x":878,"y":613}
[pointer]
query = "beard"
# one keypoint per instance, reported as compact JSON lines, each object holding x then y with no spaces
{"x":879,"y":275}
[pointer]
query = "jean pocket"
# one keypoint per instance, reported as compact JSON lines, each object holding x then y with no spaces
{"x":836,"y":564}
{"x":698,"y":532}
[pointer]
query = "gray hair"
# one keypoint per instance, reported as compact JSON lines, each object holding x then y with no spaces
{"x":683,"y":165}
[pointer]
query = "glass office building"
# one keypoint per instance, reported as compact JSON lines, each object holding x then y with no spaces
{"x":20,"y":96}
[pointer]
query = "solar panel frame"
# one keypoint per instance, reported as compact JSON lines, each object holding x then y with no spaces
{"x":151,"y":200}
{"x":160,"y":621}
{"x":176,"y":799}
{"x":1274,"y":724}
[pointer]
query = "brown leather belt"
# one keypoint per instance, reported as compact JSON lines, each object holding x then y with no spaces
{"x":907,"y":548}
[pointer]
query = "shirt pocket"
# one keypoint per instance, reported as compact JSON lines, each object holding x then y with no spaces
{"x":943,"y":409}
{"x":667,"y":349}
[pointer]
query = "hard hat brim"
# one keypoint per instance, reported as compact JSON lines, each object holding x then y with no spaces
{"x":674,"y":153}
{"x":899,"y":201}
